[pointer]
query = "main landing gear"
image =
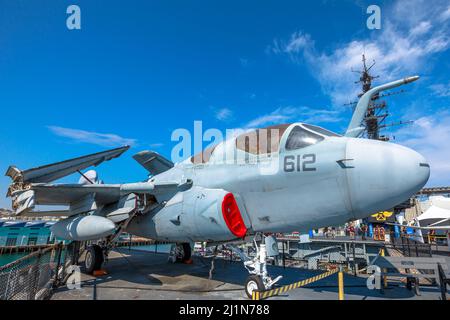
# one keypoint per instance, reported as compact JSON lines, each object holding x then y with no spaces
{"x":259,"y":279}
{"x":180,"y":253}
{"x":95,"y":256}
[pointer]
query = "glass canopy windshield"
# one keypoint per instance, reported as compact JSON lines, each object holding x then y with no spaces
{"x":262,"y":141}
{"x":301,"y":138}
{"x":321,"y":130}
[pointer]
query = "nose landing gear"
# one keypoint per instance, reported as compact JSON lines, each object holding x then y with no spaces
{"x":259,"y":278}
{"x":253,"y":283}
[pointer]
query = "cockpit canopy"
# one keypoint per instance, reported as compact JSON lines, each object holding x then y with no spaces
{"x":320,"y":130}
{"x":267,"y":140}
{"x":262,"y":141}
{"x":300,"y":138}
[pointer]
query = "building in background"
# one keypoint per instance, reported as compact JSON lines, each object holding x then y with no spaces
{"x":18,"y":233}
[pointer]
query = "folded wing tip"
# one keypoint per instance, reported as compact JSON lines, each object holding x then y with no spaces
{"x":57,"y":170}
{"x":12,"y":172}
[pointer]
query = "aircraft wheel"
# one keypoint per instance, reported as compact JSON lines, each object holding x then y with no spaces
{"x":187,"y":252}
{"x":253,"y":283}
{"x":94,"y":258}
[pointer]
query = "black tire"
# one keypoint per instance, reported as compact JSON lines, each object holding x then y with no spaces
{"x":253,"y":282}
{"x":187,"y":252}
{"x":94,"y":258}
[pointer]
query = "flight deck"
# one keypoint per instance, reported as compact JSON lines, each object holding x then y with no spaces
{"x":139,"y":275}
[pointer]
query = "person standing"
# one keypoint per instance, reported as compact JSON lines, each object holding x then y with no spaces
{"x":351,"y":230}
{"x":363,"y":231}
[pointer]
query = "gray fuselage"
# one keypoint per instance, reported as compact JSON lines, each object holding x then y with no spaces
{"x":324,"y":184}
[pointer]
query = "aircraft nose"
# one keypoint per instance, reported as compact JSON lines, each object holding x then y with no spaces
{"x":383,"y":175}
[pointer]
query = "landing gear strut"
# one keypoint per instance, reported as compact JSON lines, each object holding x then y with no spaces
{"x":259,"y":278}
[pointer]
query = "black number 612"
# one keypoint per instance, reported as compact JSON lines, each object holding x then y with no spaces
{"x":295,"y":163}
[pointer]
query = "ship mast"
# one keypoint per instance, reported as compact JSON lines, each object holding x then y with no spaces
{"x":377,"y":112}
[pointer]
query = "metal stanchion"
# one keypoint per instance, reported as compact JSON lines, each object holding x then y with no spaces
{"x":354,"y":259}
{"x":341,"y":283}
{"x":384,"y":270}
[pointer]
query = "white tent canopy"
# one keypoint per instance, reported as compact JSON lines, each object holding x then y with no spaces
{"x":438,"y":211}
{"x":440,"y":201}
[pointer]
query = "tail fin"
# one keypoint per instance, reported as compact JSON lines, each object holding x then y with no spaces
{"x":153,"y":162}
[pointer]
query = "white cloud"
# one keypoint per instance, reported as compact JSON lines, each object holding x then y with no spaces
{"x":420,"y":29}
{"x":409,"y":37}
{"x":224,"y":114}
{"x":294,"y":114}
{"x":280,"y":115}
{"x":156,"y":145}
{"x":445,"y":15}
{"x":429,"y":135}
{"x":101,"y":139}
{"x":299,"y":41}
{"x":440,"y":89}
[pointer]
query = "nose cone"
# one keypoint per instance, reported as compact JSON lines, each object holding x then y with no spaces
{"x":383,"y":175}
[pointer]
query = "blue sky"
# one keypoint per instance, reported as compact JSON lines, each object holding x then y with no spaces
{"x":137,"y":70}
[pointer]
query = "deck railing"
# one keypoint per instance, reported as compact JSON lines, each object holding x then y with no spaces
{"x":34,"y":276}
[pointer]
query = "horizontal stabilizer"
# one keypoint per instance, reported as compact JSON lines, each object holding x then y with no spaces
{"x":153,"y":162}
{"x":55,"y":171}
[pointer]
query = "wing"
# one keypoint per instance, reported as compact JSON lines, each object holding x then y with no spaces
{"x":60,"y":194}
{"x":32,"y":187}
{"x":53,"y":214}
{"x":69,"y":193}
{"x":153,"y":162}
{"x":85,"y":198}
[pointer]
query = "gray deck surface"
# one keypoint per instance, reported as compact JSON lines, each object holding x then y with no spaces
{"x":137,"y":275}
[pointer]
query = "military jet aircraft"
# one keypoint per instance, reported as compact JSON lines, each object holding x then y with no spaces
{"x":300,"y":178}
